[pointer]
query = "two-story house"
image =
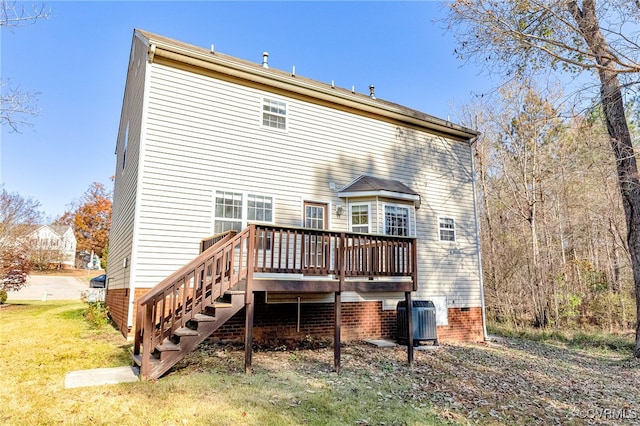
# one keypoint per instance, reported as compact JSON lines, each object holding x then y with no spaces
{"x":324,"y":207}
{"x":52,"y":246}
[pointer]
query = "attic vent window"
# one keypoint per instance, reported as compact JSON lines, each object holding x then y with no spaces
{"x":274,"y":114}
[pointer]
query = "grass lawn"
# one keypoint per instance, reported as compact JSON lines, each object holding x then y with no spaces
{"x":510,"y":381}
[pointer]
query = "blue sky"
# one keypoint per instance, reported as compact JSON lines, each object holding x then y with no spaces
{"x":78,"y":60}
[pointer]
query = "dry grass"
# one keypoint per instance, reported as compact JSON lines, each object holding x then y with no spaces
{"x":511,"y":381}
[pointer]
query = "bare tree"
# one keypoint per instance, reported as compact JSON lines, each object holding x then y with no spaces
{"x":17,"y":217}
{"x":16,"y":105}
{"x":573,"y":36}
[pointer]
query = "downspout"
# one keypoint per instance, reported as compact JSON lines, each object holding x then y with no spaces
{"x":475,"y":213}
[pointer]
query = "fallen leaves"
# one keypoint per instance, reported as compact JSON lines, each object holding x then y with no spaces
{"x":511,"y":381}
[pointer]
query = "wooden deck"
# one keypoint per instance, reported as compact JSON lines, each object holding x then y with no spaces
{"x":186,"y":308}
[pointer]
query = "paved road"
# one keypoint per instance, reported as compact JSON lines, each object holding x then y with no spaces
{"x":56,"y":288}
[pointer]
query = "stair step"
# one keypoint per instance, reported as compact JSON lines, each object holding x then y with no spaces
{"x":184,"y":331}
{"x":203,"y":318}
{"x":167,"y":346}
{"x":235,"y":292}
{"x":222,"y":305}
{"x":137,"y":359}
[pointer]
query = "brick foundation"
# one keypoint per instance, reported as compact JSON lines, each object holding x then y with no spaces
{"x":278,"y":322}
{"x":275,"y":323}
{"x":117,"y":301}
{"x":465,"y":325}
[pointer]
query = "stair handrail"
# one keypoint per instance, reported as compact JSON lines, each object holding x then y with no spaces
{"x":223,"y":251}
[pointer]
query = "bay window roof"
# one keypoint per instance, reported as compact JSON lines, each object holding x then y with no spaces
{"x":371,"y":186}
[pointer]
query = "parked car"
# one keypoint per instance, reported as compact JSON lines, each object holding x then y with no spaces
{"x":98,"y":282}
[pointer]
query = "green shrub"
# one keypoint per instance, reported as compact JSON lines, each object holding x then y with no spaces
{"x":3,"y":296}
{"x":97,"y":314}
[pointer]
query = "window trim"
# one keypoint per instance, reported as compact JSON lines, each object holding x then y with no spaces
{"x":441,"y":220}
{"x":409,"y":208}
{"x":263,"y":101}
{"x":369,"y":212}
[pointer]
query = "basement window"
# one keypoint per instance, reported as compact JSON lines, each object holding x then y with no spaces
{"x":274,"y":114}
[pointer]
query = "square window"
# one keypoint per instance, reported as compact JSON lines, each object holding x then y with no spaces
{"x":274,"y":114}
{"x":396,"y":220}
{"x":260,"y":208}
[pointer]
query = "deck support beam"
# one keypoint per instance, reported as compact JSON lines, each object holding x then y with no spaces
{"x":336,"y":332}
{"x":407,"y":297}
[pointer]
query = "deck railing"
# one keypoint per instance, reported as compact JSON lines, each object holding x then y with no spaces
{"x":232,"y":258}
{"x":305,"y":251}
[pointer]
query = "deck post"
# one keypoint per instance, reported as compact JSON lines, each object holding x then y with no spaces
{"x":342,"y":258}
{"x":249,"y":300}
{"x":407,"y":297}
{"x":248,"y":334}
{"x":147,"y":337}
{"x":336,"y":335}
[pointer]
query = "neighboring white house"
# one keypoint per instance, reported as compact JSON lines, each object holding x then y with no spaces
{"x":55,"y":244}
{"x":209,"y":142}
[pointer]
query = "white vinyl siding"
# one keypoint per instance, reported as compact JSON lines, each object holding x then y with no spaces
{"x":123,"y":230}
{"x":201,"y":136}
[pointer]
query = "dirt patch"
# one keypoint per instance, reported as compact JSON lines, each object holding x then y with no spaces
{"x":510,"y":381}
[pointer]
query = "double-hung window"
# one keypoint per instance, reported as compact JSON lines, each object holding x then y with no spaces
{"x":447,"y":228}
{"x":360,"y":217}
{"x":396,"y":220}
{"x":259,"y":208}
{"x":234,"y":210}
{"x":228,"y":211}
{"x":274,"y":114}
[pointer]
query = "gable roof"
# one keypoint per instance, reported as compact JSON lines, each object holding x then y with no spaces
{"x":59,"y":230}
{"x":370,"y":186}
{"x":174,"y":52}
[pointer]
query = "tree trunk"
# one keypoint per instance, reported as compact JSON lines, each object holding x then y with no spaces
{"x":614,"y":113}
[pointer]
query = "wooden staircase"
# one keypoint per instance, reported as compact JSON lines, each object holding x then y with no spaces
{"x":183,"y":310}
{"x":187,"y":338}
